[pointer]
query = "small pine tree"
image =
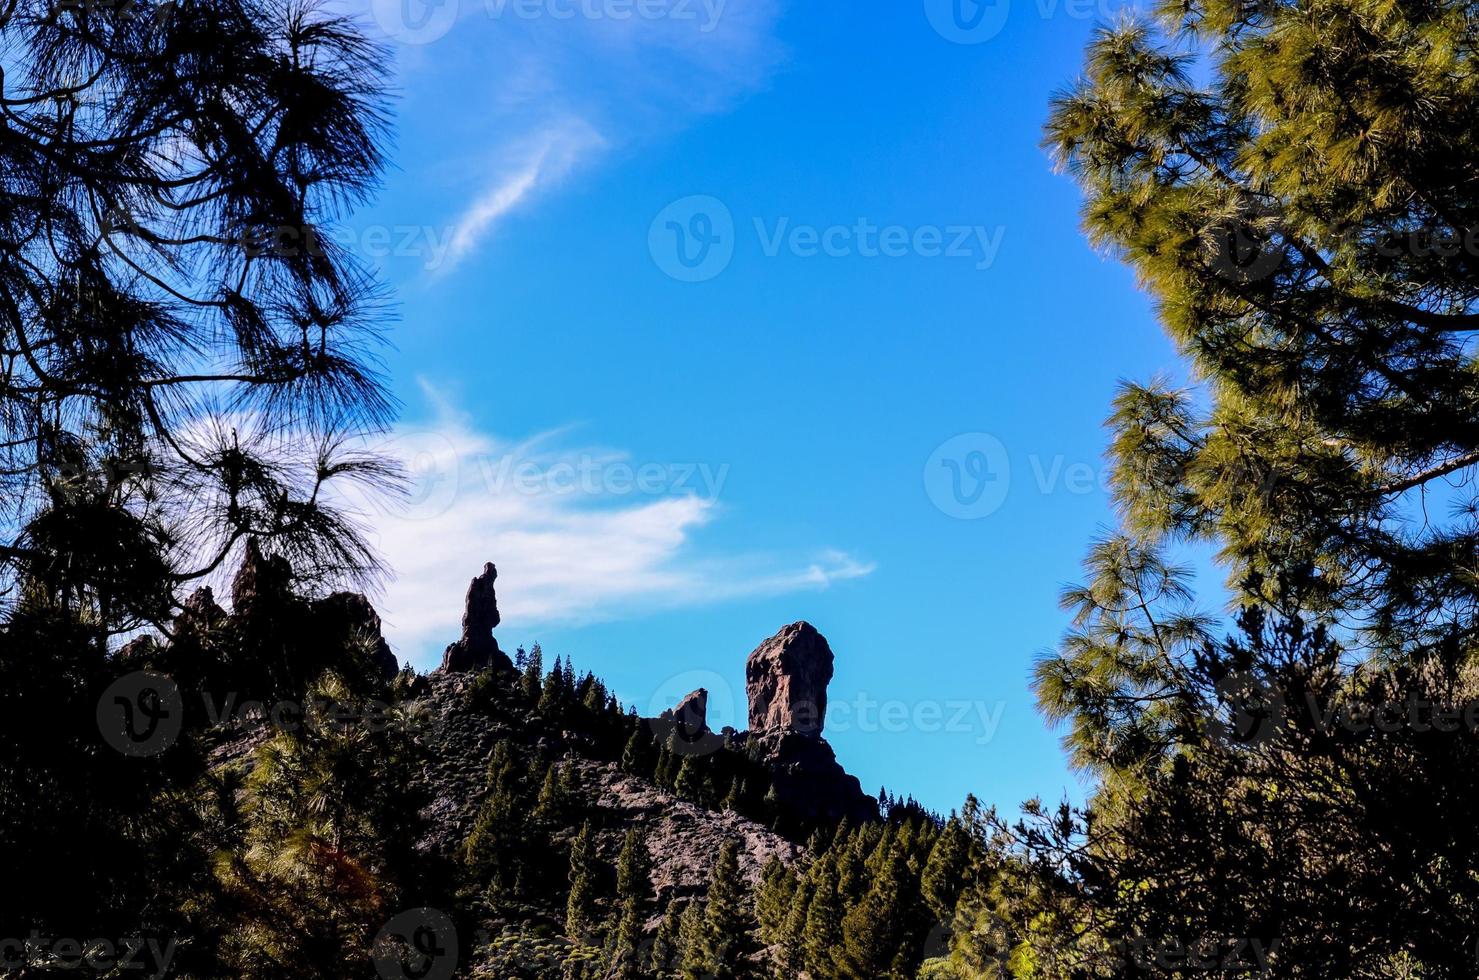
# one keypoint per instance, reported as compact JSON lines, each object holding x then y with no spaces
{"x":822,"y":933}
{"x":552,"y":696}
{"x":638,"y":758}
{"x":690,"y":783}
{"x":664,"y":773}
{"x":532,"y":682}
{"x":633,"y":867}
{"x":626,"y":951}
{"x":595,"y":697}
{"x":732,"y":798}
{"x":872,"y":930}
{"x":666,"y":944}
{"x":554,"y":802}
{"x":693,"y":963}
{"x":581,"y":913}
{"x":726,"y":923}
{"x":492,"y":850}
{"x":944,"y":873}
{"x":773,"y":899}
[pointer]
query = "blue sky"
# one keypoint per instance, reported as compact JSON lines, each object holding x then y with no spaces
{"x":874,"y":402}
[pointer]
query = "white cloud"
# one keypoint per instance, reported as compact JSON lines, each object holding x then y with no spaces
{"x":552,"y":153}
{"x":578,"y":535}
{"x":508,"y":97}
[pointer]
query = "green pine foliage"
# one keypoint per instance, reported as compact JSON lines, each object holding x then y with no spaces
{"x":582,"y":911}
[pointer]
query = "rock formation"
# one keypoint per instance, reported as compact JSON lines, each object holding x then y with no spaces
{"x":692,"y":713}
{"x":786,"y":679}
{"x":478,"y":650}
{"x":199,"y":613}
{"x":262,"y":580}
{"x":351,"y":613}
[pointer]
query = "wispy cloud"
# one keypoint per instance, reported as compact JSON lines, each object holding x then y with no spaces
{"x":578,"y":534}
{"x":552,"y":154}
{"x":504,"y":100}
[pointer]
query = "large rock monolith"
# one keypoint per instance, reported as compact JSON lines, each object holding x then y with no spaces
{"x":786,"y":679}
{"x":477,"y":649}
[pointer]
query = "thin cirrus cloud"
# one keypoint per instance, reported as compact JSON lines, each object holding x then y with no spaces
{"x":552,"y":154}
{"x":579,"y":535}
{"x":516,"y":98}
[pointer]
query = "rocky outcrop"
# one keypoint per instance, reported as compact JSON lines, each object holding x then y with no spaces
{"x":351,"y":613}
{"x":809,"y":783}
{"x":692,"y":713}
{"x":477,"y":649}
{"x":199,"y":613}
{"x":262,"y":582}
{"x":786,"y":679}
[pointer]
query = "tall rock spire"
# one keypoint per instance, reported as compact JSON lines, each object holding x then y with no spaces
{"x":477,"y":649}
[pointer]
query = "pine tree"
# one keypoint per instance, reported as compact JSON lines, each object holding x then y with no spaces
{"x":594,"y":698}
{"x":793,"y":931}
{"x":531,"y":683}
{"x":726,"y":922}
{"x":944,"y":872}
{"x":639,"y":757}
{"x":690,"y":782}
{"x":581,"y":912}
{"x":553,"y":805}
{"x":493,"y":848}
{"x":773,"y":899}
{"x":822,"y":935}
{"x":633,"y":868}
{"x":693,"y":958}
{"x":872,"y":930}
{"x":664,"y":772}
{"x":553,"y":695}
{"x":667,"y":943}
{"x":627,"y":943}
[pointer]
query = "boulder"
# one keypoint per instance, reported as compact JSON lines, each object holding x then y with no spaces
{"x":477,"y":649}
{"x":786,"y":679}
